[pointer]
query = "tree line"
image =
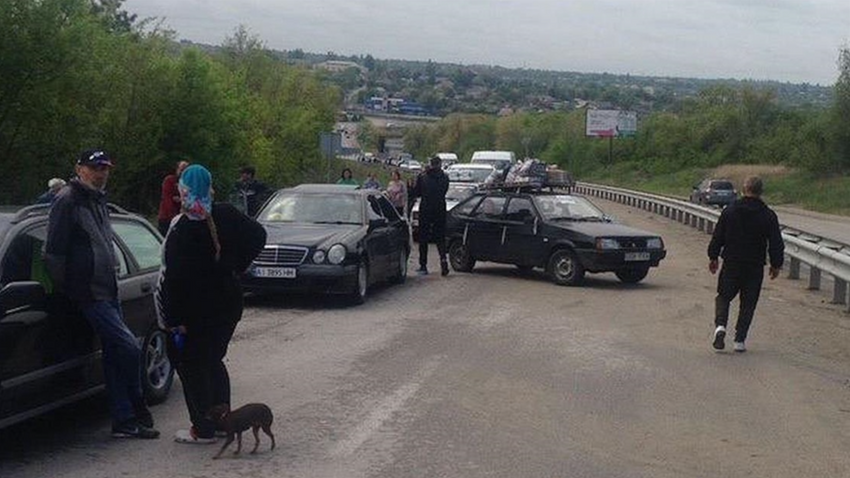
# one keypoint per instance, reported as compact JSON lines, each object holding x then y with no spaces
{"x":721,"y":125}
{"x":76,"y":74}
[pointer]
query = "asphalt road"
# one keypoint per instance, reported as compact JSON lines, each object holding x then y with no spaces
{"x":499,"y":374}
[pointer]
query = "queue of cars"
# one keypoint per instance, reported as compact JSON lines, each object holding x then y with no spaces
{"x":326,"y":239}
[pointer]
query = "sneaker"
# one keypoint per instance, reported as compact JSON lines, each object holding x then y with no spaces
{"x":191,"y":436}
{"x":719,"y":338}
{"x":444,"y":269}
{"x":133,"y":429}
{"x":144,"y":417}
{"x":740,"y":347}
{"x":423,"y":271}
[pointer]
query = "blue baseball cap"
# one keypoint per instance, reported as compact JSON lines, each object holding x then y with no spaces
{"x":94,"y":157}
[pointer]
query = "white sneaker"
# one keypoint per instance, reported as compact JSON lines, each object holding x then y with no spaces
{"x":740,"y":347}
{"x":719,"y":338}
{"x":189,"y":436}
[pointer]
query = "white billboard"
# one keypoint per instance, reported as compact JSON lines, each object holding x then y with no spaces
{"x":610,"y":123}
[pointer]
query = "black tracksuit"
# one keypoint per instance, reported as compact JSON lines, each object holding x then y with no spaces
{"x":746,"y":232}
{"x":431,"y":186}
{"x":204,"y":295}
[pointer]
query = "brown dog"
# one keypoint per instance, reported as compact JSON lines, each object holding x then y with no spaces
{"x":234,"y":422}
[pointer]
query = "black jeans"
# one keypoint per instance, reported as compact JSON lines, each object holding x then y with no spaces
{"x":432,"y":230}
{"x":205,"y":379}
{"x":738,"y":278}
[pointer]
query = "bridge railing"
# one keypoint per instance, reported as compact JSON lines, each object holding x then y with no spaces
{"x":821,"y":256}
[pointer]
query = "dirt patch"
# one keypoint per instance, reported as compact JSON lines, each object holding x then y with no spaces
{"x":737,"y":173}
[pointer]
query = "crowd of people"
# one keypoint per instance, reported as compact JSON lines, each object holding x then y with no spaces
{"x":208,"y":244}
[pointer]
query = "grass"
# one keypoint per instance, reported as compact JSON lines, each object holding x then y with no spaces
{"x":783,"y":186}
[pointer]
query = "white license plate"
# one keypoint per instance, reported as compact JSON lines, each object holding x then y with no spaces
{"x":637,"y":256}
{"x":275,"y":272}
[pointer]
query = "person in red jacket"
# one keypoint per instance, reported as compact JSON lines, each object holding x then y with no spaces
{"x":169,"y":202}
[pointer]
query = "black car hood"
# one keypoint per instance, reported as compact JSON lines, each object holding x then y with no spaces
{"x":312,"y":235}
{"x":601,"y":229}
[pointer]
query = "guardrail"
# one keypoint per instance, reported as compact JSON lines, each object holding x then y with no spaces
{"x":821,"y":256}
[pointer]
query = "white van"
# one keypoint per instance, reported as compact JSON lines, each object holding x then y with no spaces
{"x":447,"y":159}
{"x":498,"y":159}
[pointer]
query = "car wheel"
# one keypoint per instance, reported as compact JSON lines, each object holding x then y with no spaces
{"x":158,"y":374}
{"x":459,"y":257}
{"x":358,"y":296}
{"x":632,"y":276}
{"x":565,"y":268}
{"x":401,"y":275}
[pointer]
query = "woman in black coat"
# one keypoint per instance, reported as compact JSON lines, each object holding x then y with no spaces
{"x":199,"y":297}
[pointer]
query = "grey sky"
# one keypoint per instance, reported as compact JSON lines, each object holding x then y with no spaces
{"x":785,"y":40}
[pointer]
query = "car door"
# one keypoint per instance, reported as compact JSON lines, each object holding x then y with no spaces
{"x":484,"y":234}
{"x":139,"y":252}
{"x":522,"y":244}
{"x":398,"y":234}
{"x":46,"y":346}
{"x":378,"y":239}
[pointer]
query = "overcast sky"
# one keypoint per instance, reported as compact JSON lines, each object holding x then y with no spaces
{"x":785,"y":40}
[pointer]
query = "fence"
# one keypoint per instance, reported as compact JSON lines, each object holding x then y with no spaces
{"x":820,"y":256}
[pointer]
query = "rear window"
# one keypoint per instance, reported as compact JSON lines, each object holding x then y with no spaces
{"x":721,"y":185}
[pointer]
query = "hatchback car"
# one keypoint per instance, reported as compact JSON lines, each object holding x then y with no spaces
{"x":564,"y":234}
{"x":714,"y":192}
{"x":329,"y":239}
{"x":49,"y":354}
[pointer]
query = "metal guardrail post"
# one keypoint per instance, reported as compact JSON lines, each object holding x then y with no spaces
{"x":794,"y":268}
{"x":839,"y":292}
{"x":814,"y":278}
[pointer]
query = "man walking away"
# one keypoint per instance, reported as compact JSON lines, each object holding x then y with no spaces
{"x":745,"y":231}
{"x":431,"y":186}
{"x":81,"y":260}
{"x":169,"y":201}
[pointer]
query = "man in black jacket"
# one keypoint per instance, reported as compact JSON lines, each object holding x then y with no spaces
{"x":745,"y":231}
{"x":81,"y":261}
{"x":431,"y":186}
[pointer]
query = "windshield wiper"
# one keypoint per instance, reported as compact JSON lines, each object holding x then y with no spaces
{"x":336,"y":222}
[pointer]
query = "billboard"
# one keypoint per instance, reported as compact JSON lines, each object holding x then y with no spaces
{"x":610,"y":123}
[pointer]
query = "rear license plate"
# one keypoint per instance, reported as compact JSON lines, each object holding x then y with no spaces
{"x":637,"y":256}
{"x":275,"y":272}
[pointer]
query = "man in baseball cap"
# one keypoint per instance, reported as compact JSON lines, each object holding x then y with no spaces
{"x":80,"y":257}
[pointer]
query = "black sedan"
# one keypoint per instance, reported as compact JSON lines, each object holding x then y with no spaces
{"x":49,"y":354}
{"x":564,"y":234}
{"x":329,"y":239}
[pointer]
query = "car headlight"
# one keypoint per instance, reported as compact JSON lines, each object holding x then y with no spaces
{"x":336,"y":254}
{"x":606,"y":243}
{"x":318,"y":257}
{"x":654,"y":243}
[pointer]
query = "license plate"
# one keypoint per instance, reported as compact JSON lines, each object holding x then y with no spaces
{"x":637,"y":256}
{"x":275,"y":272}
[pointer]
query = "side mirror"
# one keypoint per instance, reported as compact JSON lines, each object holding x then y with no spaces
{"x":24,"y":294}
{"x":376,"y":223}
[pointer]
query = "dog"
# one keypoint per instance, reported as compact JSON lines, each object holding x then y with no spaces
{"x":234,"y":422}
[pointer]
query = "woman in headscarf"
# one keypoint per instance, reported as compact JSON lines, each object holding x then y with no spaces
{"x":199,"y":298}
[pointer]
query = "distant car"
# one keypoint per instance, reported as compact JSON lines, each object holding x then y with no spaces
{"x":411,"y":165}
{"x":456,"y":193}
{"x":563,"y":234}
{"x":447,"y":159}
{"x":714,"y":192}
{"x":470,"y":173}
{"x":329,"y":239}
{"x":500,"y":160}
{"x":49,"y":354}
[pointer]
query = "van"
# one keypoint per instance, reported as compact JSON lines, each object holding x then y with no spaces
{"x":447,"y":159}
{"x":500,"y":160}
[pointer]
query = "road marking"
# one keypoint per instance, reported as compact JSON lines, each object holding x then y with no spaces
{"x":385,"y":410}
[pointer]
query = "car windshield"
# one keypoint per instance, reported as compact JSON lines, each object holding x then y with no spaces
{"x":316,"y":208}
{"x":568,"y":208}
{"x":460,"y":191}
{"x":473,"y":175}
{"x":724,"y":185}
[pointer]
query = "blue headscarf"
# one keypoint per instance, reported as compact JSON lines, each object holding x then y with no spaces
{"x":196,"y":192}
